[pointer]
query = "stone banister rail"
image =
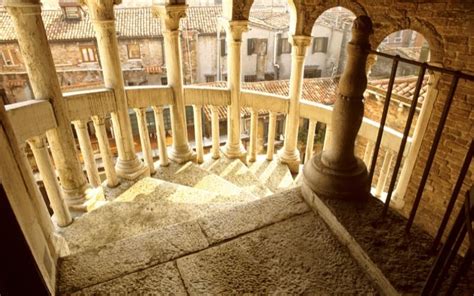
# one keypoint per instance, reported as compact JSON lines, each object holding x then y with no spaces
{"x":146,"y":96}
{"x":81,"y":105}
{"x":31,"y":118}
{"x":203,"y":95}
{"x":265,"y":101}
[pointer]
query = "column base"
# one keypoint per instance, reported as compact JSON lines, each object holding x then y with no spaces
{"x":292,"y":159}
{"x":181,"y":156}
{"x":76,"y":198}
{"x":334,"y":183}
{"x":131,"y":169}
{"x":234,"y":152}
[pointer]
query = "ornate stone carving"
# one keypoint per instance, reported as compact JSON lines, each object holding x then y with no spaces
{"x":235,"y":29}
{"x":300,"y":43}
{"x":170,"y":15}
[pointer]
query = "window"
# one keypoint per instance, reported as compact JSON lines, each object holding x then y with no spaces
{"x":320,"y":44}
{"x":397,"y":37}
{"x":210,"y":78}
{"x":269,"y":76}
{"x":88,"y":53}
{"x":72,"y":13}
{"x":133,"y":51}
{"x":164,"y":80}
{"x":312,"y":72}
{"x":284,"y":46}
{"x":223,"y":48}
{"x":250,"y":78}
{"x":257,"y":46}
{"x":9,"y":57}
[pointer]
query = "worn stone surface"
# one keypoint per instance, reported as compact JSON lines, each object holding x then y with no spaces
{"x":275,"y":175}
{"x":403,"y":258}
{"x":194,"y":176}
{"x":122,"y":257}
{"x":161,"y":279}
{"x":231,"y":222}
{"x":148,"y":205}
{"x":235,"y":171}
{"x":296,"y":256}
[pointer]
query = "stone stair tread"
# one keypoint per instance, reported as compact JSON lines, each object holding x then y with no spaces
{"x":194,"y":176}
{"x":149,"y":204}
{"x":146,"y":249}
{"x":236,"y":172}
{"x":275,"y":175}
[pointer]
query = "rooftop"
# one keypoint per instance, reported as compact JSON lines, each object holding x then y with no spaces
{"x":140,"y":23}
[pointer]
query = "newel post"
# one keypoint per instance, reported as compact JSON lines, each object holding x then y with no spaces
{"x":337,"y":172}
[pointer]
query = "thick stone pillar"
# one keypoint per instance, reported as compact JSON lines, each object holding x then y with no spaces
{"x":337,"y":172}
{"x":101,"y":12}
{"x":170,"y":15}
{"x":31,"y":35}
{"x":290,"y":154}
{"x":234,"y":31}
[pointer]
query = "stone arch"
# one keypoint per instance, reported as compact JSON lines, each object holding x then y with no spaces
{"x":303,"y":14}
{"x":426,"y":29}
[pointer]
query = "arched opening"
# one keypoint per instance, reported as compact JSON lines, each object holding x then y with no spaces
{"x":324,"y":63}
{"x":412,"y":45}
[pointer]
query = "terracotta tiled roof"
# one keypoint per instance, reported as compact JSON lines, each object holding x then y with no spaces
{"x":321,"y":90}
{"x":403,"y":88}
{"x":139,"y":22}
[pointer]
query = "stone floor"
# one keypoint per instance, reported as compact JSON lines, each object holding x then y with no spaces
{"x":298,"y":255}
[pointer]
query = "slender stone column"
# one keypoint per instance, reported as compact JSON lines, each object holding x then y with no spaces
{"x":61,"y":216}
{"x":290,"y":154}
{"x":197,"y":109}
{"x":253,"y":136}
{"x":234,"y":31}
{"x":271,"y":135}
{"x":215,"y":133}
{"x":161,"y":135}
{"x":145,"y":139}
{"x":31,"y":35}
{"x":170,"y":15}
{"x":368,"y":153}
{"x":327,"y":136}
{"x":107,"y":159}
{"x":383,"y":175}
{"x":87,"y":152}
{"x":101,"y":12}
{"x":310,"y":141}
{"x":337,"y":172}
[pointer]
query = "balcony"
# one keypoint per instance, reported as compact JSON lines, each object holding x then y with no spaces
{"x":180,"y":220}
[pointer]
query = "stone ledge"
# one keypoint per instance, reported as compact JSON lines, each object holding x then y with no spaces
{"x":367,"y":265}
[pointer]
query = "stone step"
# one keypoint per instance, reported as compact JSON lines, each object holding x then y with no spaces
{"x":192,"y":175}
{"x":98,"y":267}
{"x":149,"y":204}
{"x":275,"y":175}
{"x":236,"y":172}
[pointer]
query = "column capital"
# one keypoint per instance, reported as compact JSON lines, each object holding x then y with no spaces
{"x":299,"y":44}
{"x":235,"y":29}
{"x":101,"y":10}
{"x":170,"y":15}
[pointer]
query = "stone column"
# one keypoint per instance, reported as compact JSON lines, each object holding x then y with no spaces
{"x":310,"y":140}
{"x":31,"y":35}
{"x":252,"y":157}
{"x":145,"y":139}
{"x":161,"y":135}
{"x":337,"y":172}
{"x":61,"y":216}
{"x":197,"y":109}
{"x":87,"y":152}
{"x":170,"y":15}
{"x":271,"y":135}
{"x":215,"y":151}
{"x":290,"y":154}
{"x":234,"y":31}
{"x":101,"y":12}
{"x":106,"y":154}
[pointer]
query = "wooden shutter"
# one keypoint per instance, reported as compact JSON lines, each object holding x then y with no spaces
{"x":223,"y":48}
{"x":324,"y":47}
{"x":279,"y":46}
